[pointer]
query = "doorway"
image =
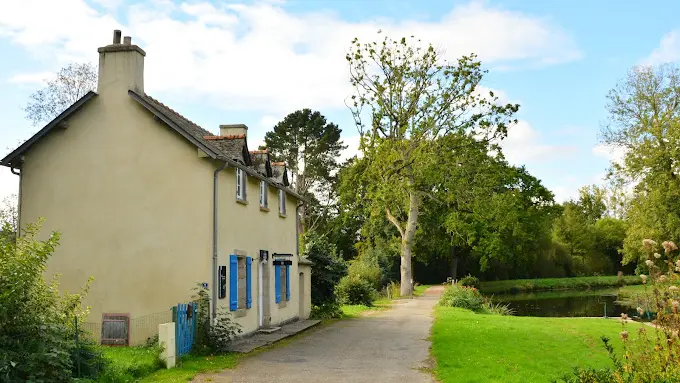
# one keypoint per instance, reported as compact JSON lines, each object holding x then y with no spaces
{"x":264,"y":318}
{"x":301,"y":296}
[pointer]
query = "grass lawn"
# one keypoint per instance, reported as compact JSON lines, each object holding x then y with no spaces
{"x":471,"y":347}
{"x":129,"y":363}
{"x":354,"y":311}
{"x":420,"y":289}
{"x":521,"y":285}
{"x":191,"y":365}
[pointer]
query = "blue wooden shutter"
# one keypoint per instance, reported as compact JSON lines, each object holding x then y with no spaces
{"x":233,"y":282}
{"x":287,"y":282}
{"x":277,"y":282}
{"x":249,"y":280}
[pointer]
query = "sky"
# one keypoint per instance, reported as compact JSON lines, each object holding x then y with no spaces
{"x":253,"y":62}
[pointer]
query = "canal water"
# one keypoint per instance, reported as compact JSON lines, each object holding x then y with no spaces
{"x":567,"y":303}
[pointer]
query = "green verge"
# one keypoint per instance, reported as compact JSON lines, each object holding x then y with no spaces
{"x":522,"y":285}
{"x":191,"y":365}
{"x":354,"y":311}
{"x":478,"y":348}
{"x":127,"y":364}
{"x":420,"y":289}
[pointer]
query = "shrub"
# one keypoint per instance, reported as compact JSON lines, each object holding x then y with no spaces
{"x":37,"y":335}
{"x":327,"y":270}
{"x":497,"y":308}
{"x":469,"y":281}
{"x":464,"y":297}
{"x":393,"y":290}
{"x":355,"y":291}
{"x":328,"y":310}
{"x":212,"y":337}
{"x":367,"y":269}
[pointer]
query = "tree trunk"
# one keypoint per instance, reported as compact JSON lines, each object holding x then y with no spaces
{"x":407,"y":244}
{"x":454,"y":262}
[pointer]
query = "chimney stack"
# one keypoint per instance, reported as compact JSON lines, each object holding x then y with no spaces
{"x":121,"y":66}
{"x":233,"y":130}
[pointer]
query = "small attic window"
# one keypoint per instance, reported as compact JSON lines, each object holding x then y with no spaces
{"x":240,"y":184}
{"x":282,"y":202}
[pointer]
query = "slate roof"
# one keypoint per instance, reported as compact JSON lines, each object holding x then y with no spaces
{"x":261,"y":162}
{"x":231,"y":149}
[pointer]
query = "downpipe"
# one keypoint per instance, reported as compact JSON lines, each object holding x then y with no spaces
{"x":214,"y":255}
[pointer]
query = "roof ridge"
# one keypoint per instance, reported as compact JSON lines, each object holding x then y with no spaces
{"x":175,"y":112}
{"x":229,"y":137}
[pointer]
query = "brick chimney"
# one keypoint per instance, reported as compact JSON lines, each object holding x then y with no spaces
{"x":121,"y":66}
{"x":233,"y":130}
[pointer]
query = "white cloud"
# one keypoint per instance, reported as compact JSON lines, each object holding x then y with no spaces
{"x":9,"y":183}
{"x":352,"y":149}
{"x":262,"y":57}
{"x":667,"y":51}
{"x":524,"y":145}
{"x":613,"y":154}
{"x":30,"y":78}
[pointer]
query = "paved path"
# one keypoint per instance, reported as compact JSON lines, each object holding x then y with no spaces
{"x":390,"y":346}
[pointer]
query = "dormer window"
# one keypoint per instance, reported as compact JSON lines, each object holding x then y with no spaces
{"x":241,"y":184}
{"x":264,"y":191}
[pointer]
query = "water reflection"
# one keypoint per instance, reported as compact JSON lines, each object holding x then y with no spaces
{"x":569,"y":303}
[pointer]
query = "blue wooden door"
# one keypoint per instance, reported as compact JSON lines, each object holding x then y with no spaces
{"x":185,"y":327}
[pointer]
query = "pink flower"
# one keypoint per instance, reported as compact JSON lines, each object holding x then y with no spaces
{"x":649,"y":263}
{"x":675,"y":306}
{"x":644,"y":278}
{"x":624,"y":335}
{"x":648,"y":244}
{"x":657,"y":255}
{"x":640,"y":310}
{"x":624,"y":316}
{"x":669,"y":246}
{"x":673,"y":289}
{"x":662,"y":279}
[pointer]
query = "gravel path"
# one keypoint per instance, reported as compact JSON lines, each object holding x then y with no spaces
{"x":389,"y":346}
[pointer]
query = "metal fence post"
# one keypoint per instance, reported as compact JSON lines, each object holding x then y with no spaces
{"x":77,"y":347}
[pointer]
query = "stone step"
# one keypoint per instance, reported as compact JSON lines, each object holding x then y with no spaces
{"x":265,"y":337}
{"x":269,"y":330}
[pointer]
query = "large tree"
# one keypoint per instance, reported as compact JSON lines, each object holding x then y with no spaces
{"x":310,"y":146}
{"x":69,"y":84}
{"x":644,"y":123}
{"x":406,"y":97}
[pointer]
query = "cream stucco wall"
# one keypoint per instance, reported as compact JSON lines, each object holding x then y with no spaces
{"x":247,"y":228}
{"x":133,"y":203}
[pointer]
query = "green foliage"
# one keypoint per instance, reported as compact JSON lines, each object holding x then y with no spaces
{"x":327,"y":268}
{"x":328,"y":310}
{"x":37,"y":336}
{"x":413,"y":103}
{"x":212,"y":335}
{"x":643,"y":121}
{"x":576,"y":283}
{"x":469,"y":281}
{"x":367,"y":269}
{"x":128,"y":364}
{"x":352,"y":290}
{"x":463,"y":297}
{"x":497,"y":308}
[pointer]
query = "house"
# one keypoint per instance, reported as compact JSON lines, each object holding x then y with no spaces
{"x":151,"y":204}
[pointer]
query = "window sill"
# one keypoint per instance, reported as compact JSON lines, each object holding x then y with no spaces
{"x":240,"y":313}
{"x":242,"y":201}
{"x":282,"y":215}
{"x":264,"y":209}
{"x":283,"y":304}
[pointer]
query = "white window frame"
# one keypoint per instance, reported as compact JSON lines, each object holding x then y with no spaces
{"x":241,"y":181}
{"x":282,"y":202}
{"x":264,"y":194}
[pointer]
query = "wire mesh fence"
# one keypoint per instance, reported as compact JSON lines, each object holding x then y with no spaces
{"x":113,"y":330}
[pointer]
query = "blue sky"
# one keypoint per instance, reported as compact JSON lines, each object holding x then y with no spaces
{"x":248,"y":62}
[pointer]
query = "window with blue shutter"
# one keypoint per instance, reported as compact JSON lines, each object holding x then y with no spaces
{"x":287,"y":282}
{"x":277,"y":282}
{"x":249,"y":282}
{"x":233,"y":282}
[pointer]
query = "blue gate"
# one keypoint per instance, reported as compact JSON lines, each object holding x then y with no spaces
{"x":184,"y":316}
